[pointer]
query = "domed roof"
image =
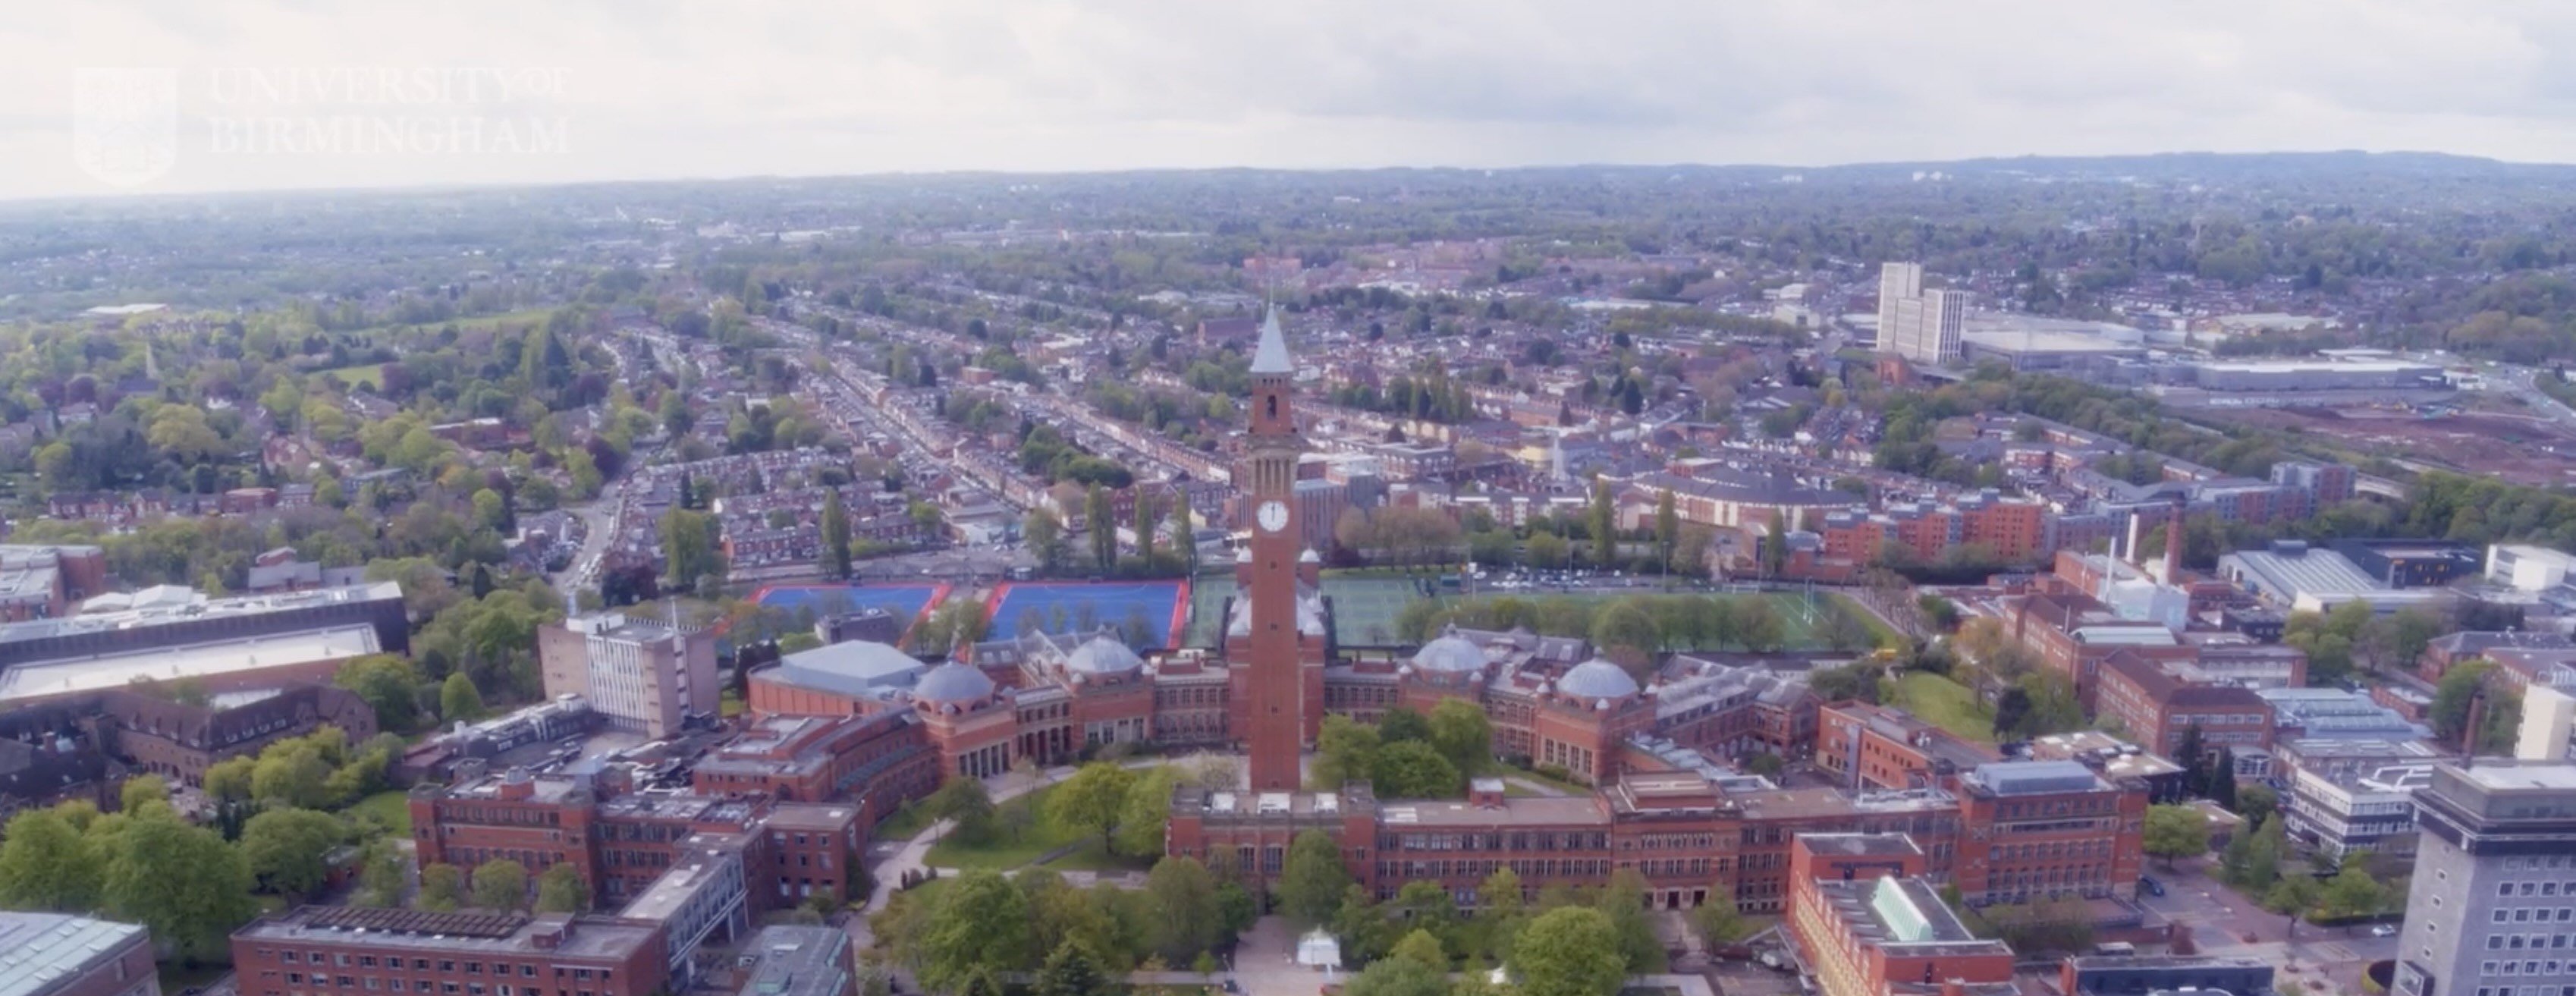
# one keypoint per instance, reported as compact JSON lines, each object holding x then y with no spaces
{"x":953,"y":682}
{"x":1102,"y":655}
{"x":1597,"y":679}
{"x":1450,"y":654}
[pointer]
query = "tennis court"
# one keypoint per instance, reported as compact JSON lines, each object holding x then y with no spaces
{"x":1365,"y":608}
{"x":904,"y":601}
{"x":1057,"y":606}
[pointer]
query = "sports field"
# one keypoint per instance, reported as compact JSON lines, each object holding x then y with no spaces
{"x":1364,"y":608}
{"x":1056,"y":606}
{"x":905,"y":601}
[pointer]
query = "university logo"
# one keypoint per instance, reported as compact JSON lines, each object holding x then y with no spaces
{"x":125,"y":123}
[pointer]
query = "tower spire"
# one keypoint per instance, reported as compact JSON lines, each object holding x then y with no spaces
{"x":1271,"y":356}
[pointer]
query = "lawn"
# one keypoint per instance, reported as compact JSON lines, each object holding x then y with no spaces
{"x":1880,"y":634}
{"x":1946,"y":704}
{"x":1093,"y":857}
{"x":1035,"y":838}
{"x":901,"y":824}
{"x":367,"y":375}
{"x":390,"y":809}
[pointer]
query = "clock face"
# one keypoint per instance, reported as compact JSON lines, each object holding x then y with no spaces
{"x":1274,"y":516}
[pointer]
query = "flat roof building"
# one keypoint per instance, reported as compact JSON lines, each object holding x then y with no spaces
{"x":55,"y":954}
{"x":314,"y":948}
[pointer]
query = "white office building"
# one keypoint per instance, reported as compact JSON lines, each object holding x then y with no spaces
{"x":1920,"y":325}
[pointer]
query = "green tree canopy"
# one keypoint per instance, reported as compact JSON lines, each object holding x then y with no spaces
{"x":1569,"y":951}
{"x":289,"y":849}
{"x":500,"y":885}
{"x":1312,"y":880}
{"x":1093,"y":800}
{"x":561,"y":890}
{"x":45,"y":865}
{"x":185,"y":883}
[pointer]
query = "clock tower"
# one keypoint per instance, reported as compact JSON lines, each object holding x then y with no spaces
{"x":1269,"y":480}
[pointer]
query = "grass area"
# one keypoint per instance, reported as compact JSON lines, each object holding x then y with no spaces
{"x":728,"y":704}
{"x":390,"y":808}
{"x":1093,"y":857}
{"x":1946,"y":704}
{"x":1007,"y":850}
{"x":367,"y":375}
{"x":1508,"y":772}
{"x":1880,"y":633}
{"x":901,"y":825}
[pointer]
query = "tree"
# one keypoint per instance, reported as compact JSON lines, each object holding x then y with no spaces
{"x":2292,"y":896}
{"x":390,"y":685}
{"x":981,"y":921}
{"x":1668,"y":530}
{"x":561,"y":890}
{"x":1605,"y":527}
{"x":2222,"y":779}
{"x":2176,"y":832}
{"x":500,"y":885}
{"x":1624,"y":899}
{"x":384,"y":873}
{"x":1345,"y":751}
{"x":964,"y":802}
{"x":291,"y":773}
{"x":1547,"y":550}
{"x":836,"y":536}
{"x":1462,"y":733}
{"x":1775,"y":546}
{"x":1422,"y":948}
{"x":2263,"y":856}
{"x":1104,"y":534}
{"x":458,"y":700}
{"x":442,"y":887}
{"x":45,"y":865}
{"x":689,"y":547}
{"x":142,"y":790}
{"x":290,"y":849}
{"x":1399,"y":977}
{"x":1093,"y":800}
{"x":1718,"y":919}
{"x":1070,"y":971}
{"x":2256,"y":803}
{"x":2452,"y":696}
{"x":2194,"y":760}
{"x":1185,"y":915}
{"x":1312,"y":879}
{"x":183,"y":882}
{"x":1148,"y":810}
{"x":1569,"y":951}
{"x":1402,"y":723}
{"x":2353,"y":892}
{"x":1045,"y":535}
{"x":1413,"y":769}
{"x":1147,"y":517}
{"x":1184,"y":532}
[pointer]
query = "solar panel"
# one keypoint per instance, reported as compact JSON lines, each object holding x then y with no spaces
{"x":418,"y":922}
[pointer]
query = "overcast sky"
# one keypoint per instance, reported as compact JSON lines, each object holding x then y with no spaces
{"x":266,"y":94}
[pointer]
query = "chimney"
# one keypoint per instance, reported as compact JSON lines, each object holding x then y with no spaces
{"x":2173,"y":546}
{"x":2137,"y":525}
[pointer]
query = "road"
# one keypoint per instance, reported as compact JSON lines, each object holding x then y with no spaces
{"x":2223,"y":921}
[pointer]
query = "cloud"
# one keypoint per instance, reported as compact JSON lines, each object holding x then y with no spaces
{"x":661,"y":88}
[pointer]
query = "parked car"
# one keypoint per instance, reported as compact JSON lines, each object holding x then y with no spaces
{"x":2383,"y":930}
{"x":2152,"y":887}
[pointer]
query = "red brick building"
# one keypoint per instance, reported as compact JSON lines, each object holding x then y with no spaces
{"x":621,"y":839}
{"x":1682,"y":831}
{"x":326,"y":949}
{"x":1867,"y":923}
{"x":1873,"y":746}
{"x":2042,"y":829}
{"x":2156,"y":702}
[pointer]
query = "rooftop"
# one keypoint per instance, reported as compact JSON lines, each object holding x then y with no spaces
{"x":583,"y":937}
{"x":45,"y":948}
{"x":855,"y":668}
{"x":170,"y":604}
{"x":2035,"y":778}
{"x":116,"y":670}
{"x":798,"y":961}
{"x":1894,"y":912}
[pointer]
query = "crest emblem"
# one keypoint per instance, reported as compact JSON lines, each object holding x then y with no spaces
{"x":125,"y":123}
